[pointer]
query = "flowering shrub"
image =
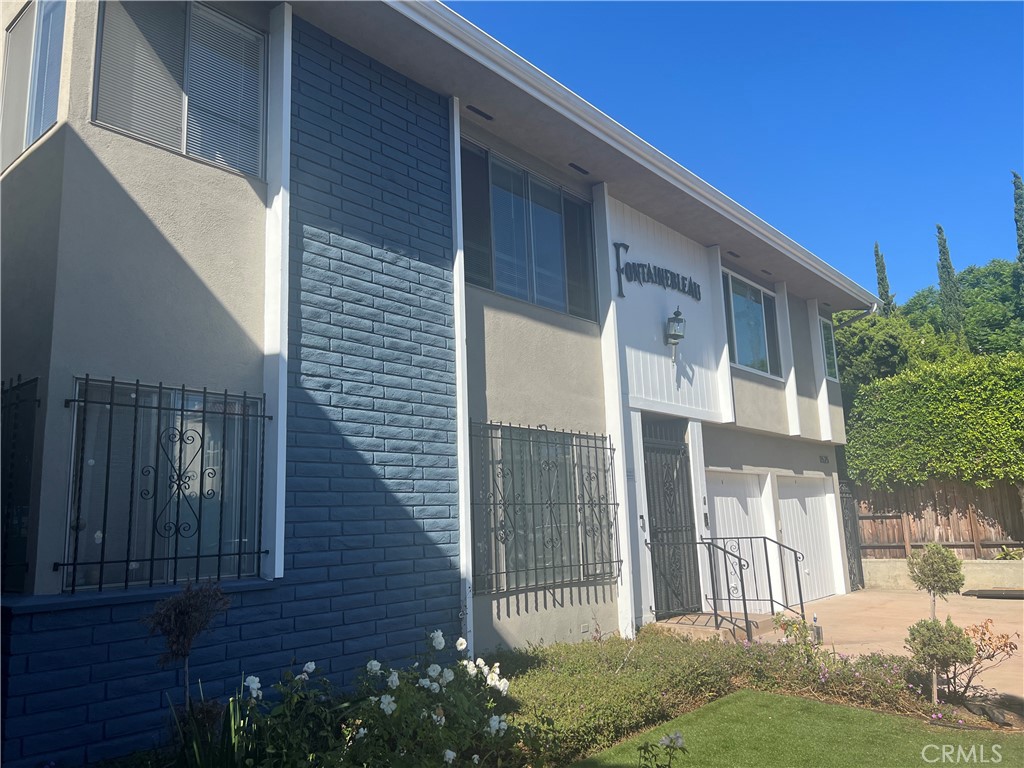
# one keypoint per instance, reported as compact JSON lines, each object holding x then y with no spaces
{"x":671,"y":745}
{"x":431,"y":714}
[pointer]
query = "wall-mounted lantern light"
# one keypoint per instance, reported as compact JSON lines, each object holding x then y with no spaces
{"x":675,"y":328}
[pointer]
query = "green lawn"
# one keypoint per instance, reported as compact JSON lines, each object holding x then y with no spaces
{"x":762,"y":730}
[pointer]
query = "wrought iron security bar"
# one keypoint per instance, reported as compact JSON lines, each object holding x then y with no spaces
{"x":166,"y":485}
{"x":544,"y":509}
{"x":18,"y":406}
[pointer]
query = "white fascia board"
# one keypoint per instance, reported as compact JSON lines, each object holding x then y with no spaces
{"x":449,"y":26}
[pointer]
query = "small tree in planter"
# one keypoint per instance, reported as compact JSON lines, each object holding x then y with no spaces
{"x":937,"y":571}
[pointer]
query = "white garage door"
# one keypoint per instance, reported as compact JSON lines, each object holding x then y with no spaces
{"x":734,"y":504}
{"x":807,"y":527}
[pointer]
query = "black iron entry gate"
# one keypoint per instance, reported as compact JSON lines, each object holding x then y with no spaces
{"x":673,"y":540}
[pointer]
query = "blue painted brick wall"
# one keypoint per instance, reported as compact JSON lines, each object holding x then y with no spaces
{"x":372,"y":522}
{"x":371,"y":528}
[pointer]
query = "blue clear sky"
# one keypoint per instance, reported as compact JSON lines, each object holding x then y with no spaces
{"x":838,"y":123}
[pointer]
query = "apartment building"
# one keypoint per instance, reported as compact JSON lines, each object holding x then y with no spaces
{"x":350,"y":308}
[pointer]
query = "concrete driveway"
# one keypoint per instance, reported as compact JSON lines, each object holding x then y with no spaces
{"x":875,"y":620}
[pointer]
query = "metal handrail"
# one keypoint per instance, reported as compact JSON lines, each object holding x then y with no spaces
{"x":744,"y":564}
{"x":797,"y":558}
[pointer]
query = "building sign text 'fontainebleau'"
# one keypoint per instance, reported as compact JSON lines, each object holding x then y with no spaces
{"x":648,"y":274}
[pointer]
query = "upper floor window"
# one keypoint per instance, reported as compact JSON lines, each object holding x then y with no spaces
{"x":828,"y":347}
{"x":186,"y":77}
{"x":31,"y":77}
{"x":525,"y":237}
{"x":752,"y":326}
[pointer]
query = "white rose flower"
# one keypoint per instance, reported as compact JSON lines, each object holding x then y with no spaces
{"x":387,"y":703}
{"x":503,"y":686}
{"x":253,"y":684}
{"x":469,"y":666}
{"x":309,"y":667}
{"x":447,"y":676}
{"x":460,"y":644}
{"x":434,"y":688}
{"x":449,"y":756}
{"x":393,"y":679}
{"x":302,"y":676}
{"x":360,"y":733}
{"x":476,"y":759}
{"x":424,"y":682}
{"x":437,"y":638}
{"x":434,"y":670}
{"x":481,"y":663}
{"x":373,"y":667}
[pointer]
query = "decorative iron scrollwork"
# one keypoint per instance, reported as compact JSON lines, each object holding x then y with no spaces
{"x":181,"y":449}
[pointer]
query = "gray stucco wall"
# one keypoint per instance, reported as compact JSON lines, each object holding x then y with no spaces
{"x":803,"y":365}
{"x":529,"y":365}
{"x":563,"y":614}
{"x":149,"y":265}
{"x":731,"y":448}
{"x":760,"y":402}
{"x":835,"y":412}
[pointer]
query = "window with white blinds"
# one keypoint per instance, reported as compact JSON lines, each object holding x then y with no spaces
{"x":31,"y":77}
{"x":186,"y":77}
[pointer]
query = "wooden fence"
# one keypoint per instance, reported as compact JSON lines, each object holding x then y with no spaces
{"x":974,"y":522}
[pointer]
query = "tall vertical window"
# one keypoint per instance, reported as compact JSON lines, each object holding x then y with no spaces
{"x":828,"y":347}
{"x":31,"y":76}
{"x":752,"y":326}
{"x":186,"y":77}
{"x":525,"y":237}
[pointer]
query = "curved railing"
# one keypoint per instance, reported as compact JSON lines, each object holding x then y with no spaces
{"x":759,"y":584}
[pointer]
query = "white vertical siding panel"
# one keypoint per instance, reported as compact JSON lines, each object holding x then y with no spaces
{"x":652,"y":376}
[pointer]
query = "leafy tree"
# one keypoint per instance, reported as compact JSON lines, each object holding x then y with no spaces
{"x":961,"y":419}
{"x":888,"y":300}
{"x":990,"y":321}
{"x":923,"y":309}
{"x":950,"y":302}
{"x":876,"y":347}
{"x":939,"y":646}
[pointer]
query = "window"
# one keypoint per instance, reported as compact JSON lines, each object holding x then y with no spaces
{"x":166,"y":485}
{"x":752,"y":327}
{"x":185,"y":77}
{"x":828,"y":346}
{"x":543,"y":508}
{"x":525,"y":237}
{"x":31,"y":76}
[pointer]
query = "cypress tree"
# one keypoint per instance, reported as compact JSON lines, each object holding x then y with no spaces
{"x":888,"y":300}
{"x":950,"y":302}
{"x":1018,"y":272}
{"x":1018,"y":214}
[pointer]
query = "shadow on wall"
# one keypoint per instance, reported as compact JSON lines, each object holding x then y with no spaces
{"x":370,"y":536}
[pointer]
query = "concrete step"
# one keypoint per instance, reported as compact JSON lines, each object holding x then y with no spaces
{"x":702,"y":626}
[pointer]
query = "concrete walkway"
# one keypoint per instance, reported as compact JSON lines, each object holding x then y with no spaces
{"x":875,"y":620}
